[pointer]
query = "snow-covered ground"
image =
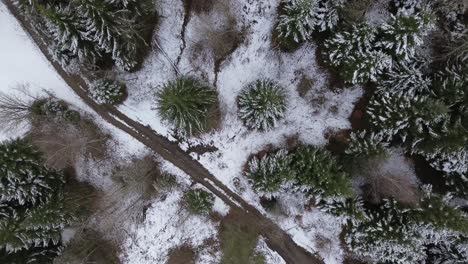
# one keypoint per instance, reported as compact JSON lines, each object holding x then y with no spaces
{"x":308,"y":118}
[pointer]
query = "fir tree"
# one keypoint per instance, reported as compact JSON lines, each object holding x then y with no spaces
{"x":412,"y":119}
{"x":107,"y":91}
{"x":316,"y":171}
{"x":185,"y":103}
{"x":199,"y":201}
{"x":365,"y":144}
{"x":23,"y":180}
{"x":297,"y":20}
{"x":405,"y":78}
{"x":32,"y":203}
{"x":387,"y":235}
{"x":269,"y":174}
{"x":328,"y":14}
{"x":262,"y":104}
{"x":405,"y":32}
{"x":68,"y":33}
{"x":355,"y":54}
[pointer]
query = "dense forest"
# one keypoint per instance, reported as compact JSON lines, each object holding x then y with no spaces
{"x":396,"y":180}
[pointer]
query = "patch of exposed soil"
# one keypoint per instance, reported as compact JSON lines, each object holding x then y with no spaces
{"x":182,"y":255}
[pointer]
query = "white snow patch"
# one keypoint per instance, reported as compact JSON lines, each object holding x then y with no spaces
{"x":167,"y":226}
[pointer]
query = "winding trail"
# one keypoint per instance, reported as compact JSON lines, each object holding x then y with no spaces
{"x":276,"y":238}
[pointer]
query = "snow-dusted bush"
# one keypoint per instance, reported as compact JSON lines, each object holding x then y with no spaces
{"x":269,"y":173}
{"x":355,"y":54}
{"x":405,"y":32}
{"x":186,"y":103}
{"x":261,"y":104}
{"x":108,"y":91}
{"x":199,"y":201}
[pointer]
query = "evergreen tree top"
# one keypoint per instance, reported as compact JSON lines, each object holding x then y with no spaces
{"x":23,"y":178}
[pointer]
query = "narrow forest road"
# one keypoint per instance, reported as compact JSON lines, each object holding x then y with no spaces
{"x":276,"y":238}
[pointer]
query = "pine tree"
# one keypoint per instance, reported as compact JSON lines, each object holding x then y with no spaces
{"x":405,"y":78}
{"x":68,"y":33}
{"x":317,"y":172}
{"x":261,"y":104}
{"x":185,"y":103}
{"x":328,"y":14}
{"x":449,"y":252}
{"x":405,"y":32}
{"x":355,"y":54}
{"x":23,"y":179}
{"x":199,"y":201}
{"x":269,"y":174}
{"x":412,"y":119}
{"x":297,"y":20}
{"x":388,"y":234}
{"x":108,"y":91}
{"x":32,"y":204}
{"x":365,"y":144}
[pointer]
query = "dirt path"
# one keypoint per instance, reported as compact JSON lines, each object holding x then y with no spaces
{"x":276,"y":238}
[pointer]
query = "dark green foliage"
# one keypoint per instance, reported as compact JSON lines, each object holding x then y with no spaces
{"x":268,"y":173}
{"x":32,"y":202}
{"x":391,"y":232}
{"x":23,"y":179}
{"x":407,"y":117}
{"x":108,"y":92}
{"x":36,"y":255}
{"x":186,"y":104}
{"x":406,"y":78}
{"x":367,"y":145}
{"x":316,"y":171}
{"x":261,"y":104}
{"x":355,"y":53}
{"x":308,"y":169}
{"x":199,"y":201}
{"x":405,"y":32}
{"x":95,"y":31}
{"x":297,"y":20}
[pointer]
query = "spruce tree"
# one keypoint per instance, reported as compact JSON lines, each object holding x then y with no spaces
{"x":269,"y":174}
{"x":66,"y":28}
{"x":317,"y":172}
{"x":297,"y":20}
{"x":261,"y":104}
{"x":411,"y":118}
{"x":367,"y":144}
{"x":32,"y":203}
{"x":355,"y":54}
{"x":328,"y":14}
{"x":405,"y":32}
{"x":406,"y":78}
{"x":185,"y":103}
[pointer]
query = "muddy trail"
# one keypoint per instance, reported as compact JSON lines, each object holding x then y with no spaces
{"x":276,"y":238}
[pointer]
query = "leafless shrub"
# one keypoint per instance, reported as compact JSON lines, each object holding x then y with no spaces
{"x":15,"y":110}
{"x":136,"y":183}
{"x":63,"y":144}
{"x":390,"y":176}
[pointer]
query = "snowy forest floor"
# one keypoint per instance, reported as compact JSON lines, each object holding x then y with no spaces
{"x":315,"y":111}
